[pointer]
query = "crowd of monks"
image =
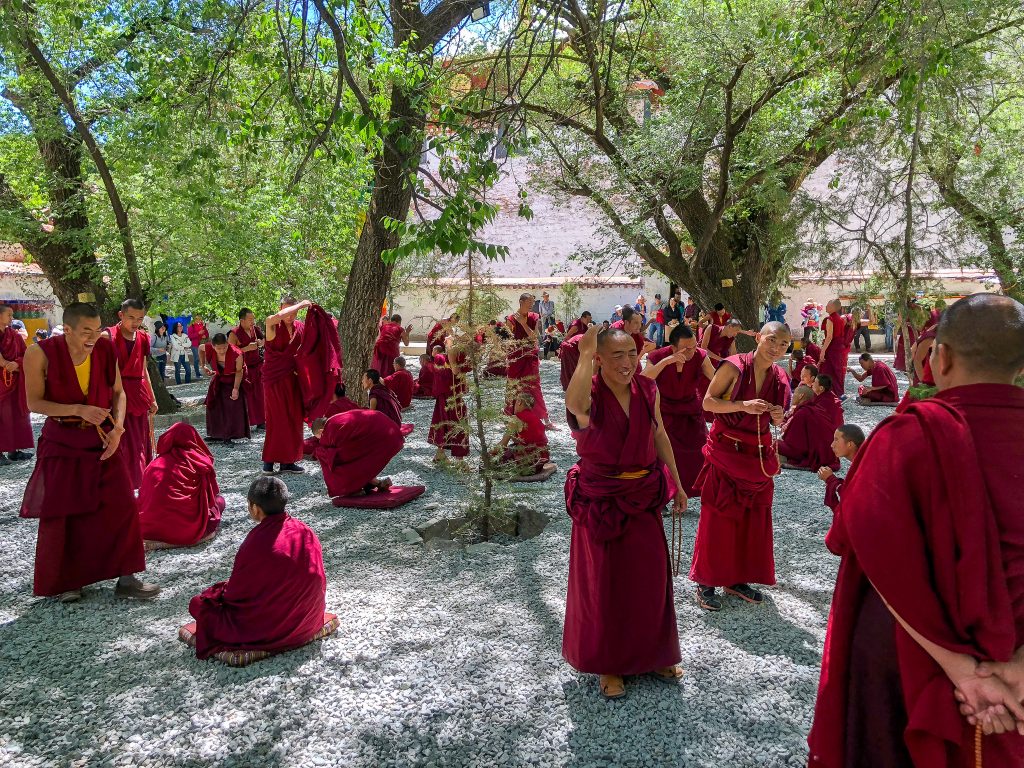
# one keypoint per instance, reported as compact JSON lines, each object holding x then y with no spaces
{"x":924,"y":655}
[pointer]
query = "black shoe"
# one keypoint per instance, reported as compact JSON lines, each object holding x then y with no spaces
{"x":268,"y":468}
{"x":4,"y":461}
{"x":707,"y":599}
{"x":745,"y":592}
{"x":293,"y":469}
{"x":19,"y":456}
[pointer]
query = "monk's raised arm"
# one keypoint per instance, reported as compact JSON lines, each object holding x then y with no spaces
{"x":577,"y":395}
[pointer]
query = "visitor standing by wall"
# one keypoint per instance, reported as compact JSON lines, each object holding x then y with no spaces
{"x":158,"y":348}
{"x":181,"y":353}
{"x":197,"y":335}
{"x":656,"y":330}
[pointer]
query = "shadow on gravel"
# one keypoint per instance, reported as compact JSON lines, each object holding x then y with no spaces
{"x":761,"y":631}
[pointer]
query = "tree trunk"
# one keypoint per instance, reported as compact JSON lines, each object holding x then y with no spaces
{"x":166,"y":403}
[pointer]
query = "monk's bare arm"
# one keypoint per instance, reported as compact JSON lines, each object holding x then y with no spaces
{"x":828,"y":337}
{"x":724,"y":381}
{"x":234,"y":341}
{"x":153,"y":407}
{"x":708,"y":369}
{"x":238,"y":377}
{"x":921,"y":351}
{"x":35,"y":391}
{"x":274,"y":320}
{"x":119,"y":401}
{"x":652,"y":370}
{"x":405,"y":334}
{"x":860,"y":376}
{"x":663,"y":445}
{"x":577,"y":395}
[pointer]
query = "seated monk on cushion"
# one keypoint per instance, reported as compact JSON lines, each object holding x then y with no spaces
{"x":353,"y":447}
{"x":525,"y":444}
{"x":380,"y":397}
{"x":274,"y":599}
{"x":425,"y":380}
{"x":798,"y":360}
{"x":884,"y":388}
{"x":848,"y":440}
{"x":807,"y":439}
{"x":808,"y":374}
{"x":401,"y":383}
{"x":179,"y":502}
{"x":802,"y":395}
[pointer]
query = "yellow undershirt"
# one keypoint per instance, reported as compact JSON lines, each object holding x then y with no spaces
{"x":82,"y":372}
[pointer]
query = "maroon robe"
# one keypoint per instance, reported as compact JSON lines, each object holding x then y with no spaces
{"x":436,"y":336}
{"x":577,"y":326}
{"x":682,"y":412}
{"x":15,"y":423}
{"x":387,"y":348}
{"x":528,"y":449}
{"x":274,"y":598}
{"x":719,"y":344}
{"x":425,"y":381}
{"x":834,"y":362}
{"x":341,"y":405}
{"x":814,"y":351}
{"x":882,"y":376}
{"x":253,"y":361}
{"x":930,"y":522}
{"x":524,"y":365}
{"x":402,"y":384}
{"x":226,"y":419}
{"x":734,"y":542}
{"x":88,"y":519}
{"x":807,"y":439}
{"x":569,"y":358}
{"x":638,"y":342}
{"x":354,"y":447}
{"x":833,"y":492}
{"x":900,"y":362}
{"x":387,"y":403}
{"x":620,"y":616}
{"x":318,"y":362}
{"x":282,"y":397}
{"x":179,"y":501}
{"x":449,"y":428}
{"x":794,"y":379}
{"x":137,"y":441}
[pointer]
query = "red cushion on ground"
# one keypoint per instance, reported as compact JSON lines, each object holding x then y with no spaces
{"x":407,"y":429}
{"x":243,"y":658}
{"x":395,"y":496}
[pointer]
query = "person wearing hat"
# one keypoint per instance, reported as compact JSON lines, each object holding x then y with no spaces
{"x":545,"y":307}
{"x":616,"y":314}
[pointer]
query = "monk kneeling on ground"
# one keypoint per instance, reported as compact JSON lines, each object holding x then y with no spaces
{"x":274,"y":599}
{"x":620,"y":616}
{"x":928,"y":608}
{"x":380,"y":397}
{"x":401,"y":383}
{"x":353,"y":447}
{"x":525,"y":445}
{"x":884,"y":388}
{"x":847,"y":441}
{"x":179,"y":502}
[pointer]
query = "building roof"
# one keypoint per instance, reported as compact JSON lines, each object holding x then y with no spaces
{"x":555,"y":281}
{"x":11,"y":268}
{"x":855,"y":276}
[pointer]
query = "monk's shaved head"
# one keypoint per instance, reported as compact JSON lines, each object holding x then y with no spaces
{"x":606,"y":338}
{"x":852,"y":433}
{"x":775,"y":329}
{"x":985,"y":332}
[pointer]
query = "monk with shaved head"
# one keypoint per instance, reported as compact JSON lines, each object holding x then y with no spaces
{"x":734,"y":546}
{"x":15,"y":425}
{"x":834,"y":350}
{"x":620,"y":616}
{"x":928,"y":608}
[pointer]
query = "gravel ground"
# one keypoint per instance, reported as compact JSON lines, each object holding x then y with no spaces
{"x":442,"y":659}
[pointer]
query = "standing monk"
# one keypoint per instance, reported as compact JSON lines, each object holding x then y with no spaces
{"x":387,"y":348}
{"x":834,"y":351}
{"x":579,"y":325}
{"x":226,"y":416}
{"x":620,"y":616}
{"x":80,"y":489}
{"x":15,"y":424}
{"x":930,"y":531}
{"x":523,"y":360}
{"x":248,"y":337}
{"x":734,"y":544}
{"x":449,"y":427}
{"x":719,"y":341}
{"x":281,"y":393}
{"x":441,"y":330}
{"x":132,"y":350}
{"x":678,"y":369}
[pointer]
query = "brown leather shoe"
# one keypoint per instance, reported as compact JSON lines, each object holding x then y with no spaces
{"x":131,"y":587}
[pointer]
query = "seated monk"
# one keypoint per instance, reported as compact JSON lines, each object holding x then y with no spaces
{"x":808,"y":375}
{"x":179,"y":502}
{"x":802,"y":395}
{"x":340,"y":404}
{"x":807,"y":439}
{"x":525,"y":445}
{"x":884,"y":388}
{"x":797,"y":362}
{"x":380,"y":397}
{"x":826,"y":398}
{"x":353,"y":447}
{"x":924,"y":651}
{"x":425,"y":380}
{"x":227,"y":415}
{"x":401,"y":383}
{"x":274,"y":599}
{"x":847,"y":441}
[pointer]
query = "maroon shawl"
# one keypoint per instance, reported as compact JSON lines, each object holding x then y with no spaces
{"x":318,"y":361}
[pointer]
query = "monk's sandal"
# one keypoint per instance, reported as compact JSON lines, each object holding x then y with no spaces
{"x":745,"y":592}
{"x":707,"y":599}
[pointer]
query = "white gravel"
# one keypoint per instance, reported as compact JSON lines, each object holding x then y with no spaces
{"x":442,"y":659}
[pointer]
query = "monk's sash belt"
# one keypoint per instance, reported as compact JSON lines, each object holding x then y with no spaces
{"x":70,"y":421}
{"x":603,"y":504}
{"x":635,"y":475}
{"x":740,"y":446}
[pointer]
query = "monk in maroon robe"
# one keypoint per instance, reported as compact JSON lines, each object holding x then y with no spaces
{"x":808,"y":435}
{"x":401,"y":383}
{"x":798,"y":360}
{"x":884,"y":387}
{"x":274,"y":599}
{"x":281,"y":394}
{"x":449,"y":425}
{"x":931,"y":583}
{"x":813,"y":351}
{"x":226,"y":415}
{"x":632,"y":322}
{"x":341,"y":404}
{"x":523,"y":359}
{"x":248,"y":337}
{"x":440,"y":331}
{"x":825,"y":397}
{"x":80,"y":490}
{"x":620,"y":614}
{"x":390,"y":337}
{"x":15,"y":423}
{"x":380,"y":398}
{"x":568,"y":358}
{"x":425,"y":379}
{"x":677,"y":369}
{"x":318,"y":362}
{"x":834,"y":352}
{"x":846,"y":441}
{"x":179,"y":502}
{"x":578,"y":326}
{"x":353,"y":448}
{"x":132,"y":349}
{"x":524,"y":448}
{"x":719,"y":341}
{"x":734,"y":546}
{"x":904,"y":341}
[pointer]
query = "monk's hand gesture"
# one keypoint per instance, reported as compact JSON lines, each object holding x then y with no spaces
{"x":11,"y":367}
{"x":154,"y":407}
{"x":92,"y":414}
{"x":990,"y":703}
{"x":234,"y":394}
{"x":588,"y":344}
{"x":825,"y":473}
{"x":681,"y":357}
{"x":111,"y":441}
{"x":777,"y":413}
{"x":756,"y":407}
{"x":679,"y":502}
